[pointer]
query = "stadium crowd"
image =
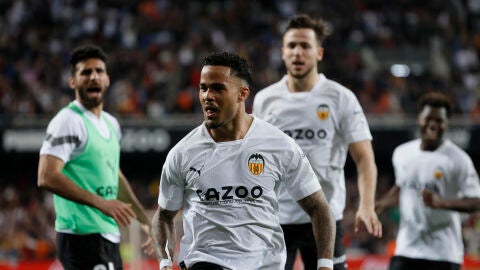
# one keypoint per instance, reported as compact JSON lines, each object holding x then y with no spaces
{"x":387,"y":52}
{"x":155,"y":45}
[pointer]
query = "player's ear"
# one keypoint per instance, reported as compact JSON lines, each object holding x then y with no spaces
{"x":319,"y":53}
{"x":243,"y":93}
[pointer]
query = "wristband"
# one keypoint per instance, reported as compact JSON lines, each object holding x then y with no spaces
{"x":165,"y":263}
{"x":325,"y":263}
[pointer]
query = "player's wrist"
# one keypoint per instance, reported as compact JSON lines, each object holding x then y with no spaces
{"x":165,"y":263}
{"x":325,"y":263}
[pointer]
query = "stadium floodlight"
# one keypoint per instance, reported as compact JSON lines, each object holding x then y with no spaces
{"x":400,"y":70}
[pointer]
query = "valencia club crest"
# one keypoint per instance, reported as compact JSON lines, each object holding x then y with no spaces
{"x":256,"y":164}
{"x":323,"y":111}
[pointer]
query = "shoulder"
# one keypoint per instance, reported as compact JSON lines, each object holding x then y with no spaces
{"x":454,"y":152}
{"x":406,"y":148}
{"x":193,"y":139}
{"x":65,"y":119}
{"x":270,"y":133}
{"x":338,"y":90}
{"x":112,"y":120}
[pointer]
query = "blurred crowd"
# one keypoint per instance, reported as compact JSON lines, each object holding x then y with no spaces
{"x":387,"y":52}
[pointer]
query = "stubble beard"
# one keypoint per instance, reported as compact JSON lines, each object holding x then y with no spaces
{"x":90,"y":103}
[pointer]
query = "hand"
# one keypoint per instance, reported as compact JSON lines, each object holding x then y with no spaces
{"x":121,"y":212}
{"x":432,"y":199}
{"x":370,"y":221}
{"x":148,"y":246}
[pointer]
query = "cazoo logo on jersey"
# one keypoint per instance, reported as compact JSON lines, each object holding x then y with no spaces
{"x":256,"y":164}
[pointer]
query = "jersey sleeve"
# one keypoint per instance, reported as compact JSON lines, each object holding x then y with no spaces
{"x":65,"y":137}
{"x":171,"y":192}
{"x":300,"y":178}
{"x":354,"y":124}
{"x":468,"y":178}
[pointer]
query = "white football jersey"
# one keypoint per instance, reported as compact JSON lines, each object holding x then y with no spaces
{"x":229,"y":194}
{"x":323,"y":121}
{"x":427,"y":233}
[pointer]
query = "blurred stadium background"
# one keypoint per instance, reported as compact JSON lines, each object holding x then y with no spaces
{"x":387,"y":52}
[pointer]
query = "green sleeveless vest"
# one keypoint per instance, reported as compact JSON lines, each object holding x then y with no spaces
{"x":95,"y":170}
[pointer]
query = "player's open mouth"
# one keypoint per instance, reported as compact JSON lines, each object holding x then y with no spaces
{"x":93,"y":91}
{"x":210,"y":111}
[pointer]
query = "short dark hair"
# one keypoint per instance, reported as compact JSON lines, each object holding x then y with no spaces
{"x":437,"y":100}
{"x":237,"y":64}
{"x":85,"y":52}
{"x":300,"y":21}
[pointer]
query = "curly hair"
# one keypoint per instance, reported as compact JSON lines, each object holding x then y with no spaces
{"x":238,"y":65}
{"x":437,"y":100}
{"x":85,"y":52}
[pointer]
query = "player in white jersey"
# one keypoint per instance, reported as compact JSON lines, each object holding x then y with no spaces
{"x":225,"y":176}
{"x":435,"y":181}
{"x":327,"y":121}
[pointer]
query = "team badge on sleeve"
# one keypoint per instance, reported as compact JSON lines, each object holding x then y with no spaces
{"x":256,"y":163}
{"x":323,"y":111}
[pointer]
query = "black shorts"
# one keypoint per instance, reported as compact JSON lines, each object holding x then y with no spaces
{"x":401,"y":263}
{"x":87,"y":252}
{"x":300,"y":237}
{"x":203,"y":266}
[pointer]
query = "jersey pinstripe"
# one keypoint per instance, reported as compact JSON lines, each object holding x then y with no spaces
{"x":229,"y":194}
{"x":427,"y":233}
{"x":323,"y":121}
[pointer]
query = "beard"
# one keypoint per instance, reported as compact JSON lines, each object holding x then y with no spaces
{"x":297,"y":75}
{"x":88,"y":102}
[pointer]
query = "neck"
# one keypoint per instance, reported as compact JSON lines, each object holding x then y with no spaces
{"x":304,"y":84}
{"x":96,"y":110}
{"x":430,"y":146}
{"x":235,"y":130}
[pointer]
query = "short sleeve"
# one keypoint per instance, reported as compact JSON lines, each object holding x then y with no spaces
{"x":171,"y":191}
{"x":300,"y":179}
{"x":65,"y":137}
{"x":354,"y":124}
{"x":468,"y":179}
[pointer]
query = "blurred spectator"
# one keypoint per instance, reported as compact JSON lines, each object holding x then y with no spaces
{"x":155,"y":46}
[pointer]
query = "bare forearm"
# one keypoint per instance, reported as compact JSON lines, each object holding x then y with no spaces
{"x":323,"y":226}
{"x":466,"y":205}
{"x":163,"y":230}
{"x":367,"y":182}
{"x":126,"y":194}
{"x":323,"y":223}
{"x":61,"y":185}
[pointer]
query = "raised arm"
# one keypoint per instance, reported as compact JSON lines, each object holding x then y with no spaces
{"x":51,"y":178}
{"x":323,"y":224}
{"x":362,"y":155}
{"x":163,"y":232}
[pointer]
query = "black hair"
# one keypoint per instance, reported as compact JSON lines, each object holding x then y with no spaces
{"x":437,"y":100}
{"x":85,"y":52}
{"x":237,"y":64}
{"x":300,"y":21}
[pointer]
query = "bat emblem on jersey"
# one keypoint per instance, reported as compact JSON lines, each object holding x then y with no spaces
{"x":323,"y":111}
{"x":256,"y":164}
